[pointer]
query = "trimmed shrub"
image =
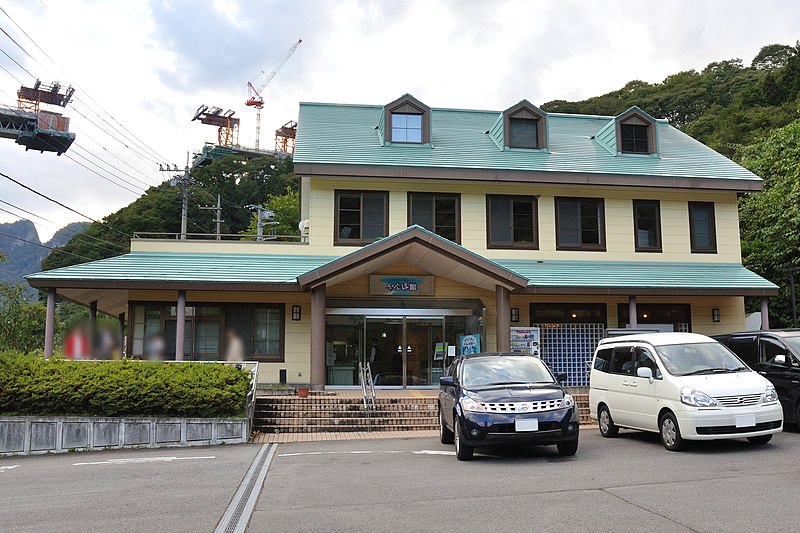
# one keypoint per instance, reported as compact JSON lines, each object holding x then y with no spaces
{"x":33,"y":386}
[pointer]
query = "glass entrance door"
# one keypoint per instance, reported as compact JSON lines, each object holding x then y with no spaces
{"x":422,"y":335}
{"x":384,"y":351}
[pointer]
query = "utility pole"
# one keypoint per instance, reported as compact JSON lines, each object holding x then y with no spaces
{"x":218,"y":210}
{"x":183,"y":181}
{"x":264,"y":216}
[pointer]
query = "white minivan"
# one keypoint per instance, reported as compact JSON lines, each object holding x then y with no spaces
{"x":682,"y":385}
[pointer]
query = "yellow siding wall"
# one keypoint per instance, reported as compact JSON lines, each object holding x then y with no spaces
{"x":618,"y":213}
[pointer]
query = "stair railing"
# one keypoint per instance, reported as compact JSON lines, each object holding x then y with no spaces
{"x":367,"y":391}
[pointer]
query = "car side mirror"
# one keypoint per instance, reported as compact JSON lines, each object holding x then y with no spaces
{"x":779,"y":359}
{"x":561,"y":377}
{"x":446,"y":381}
{"x":645,"y":372}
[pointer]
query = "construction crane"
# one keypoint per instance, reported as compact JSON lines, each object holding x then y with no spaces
{"x":227,"y":125}
{"x":254,"y":98}
{"x":35,"y":128}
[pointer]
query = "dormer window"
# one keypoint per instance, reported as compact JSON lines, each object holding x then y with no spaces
{"x":406,"y":128}
{"x":406,"y":121}
{"x":523,"y":133}
{"x":523,"y":126}
{"x":634,"y":139}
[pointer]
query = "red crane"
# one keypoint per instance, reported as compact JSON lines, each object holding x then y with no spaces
{"x":254,"y":98}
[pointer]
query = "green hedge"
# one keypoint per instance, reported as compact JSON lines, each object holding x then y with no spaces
{"x":33,"y":386}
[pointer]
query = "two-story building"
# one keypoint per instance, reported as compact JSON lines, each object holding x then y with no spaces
{"x":424,"y":225}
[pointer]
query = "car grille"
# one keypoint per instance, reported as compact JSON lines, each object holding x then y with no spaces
{"x":521,"y":407}
{"x":738,"y":401}
{"x":725,"y":430}
{"x":510,"y":428}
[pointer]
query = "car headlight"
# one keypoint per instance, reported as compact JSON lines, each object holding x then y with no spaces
{"x":567,"y":401}
{"x":696,"y":398}
{"x":468,"y":404}
{"x":770,"y":395}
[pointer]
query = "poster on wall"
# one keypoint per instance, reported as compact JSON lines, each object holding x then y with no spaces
{"x":439,"y":351}
{"x":525,"y":340}
{"x":470,"y":343}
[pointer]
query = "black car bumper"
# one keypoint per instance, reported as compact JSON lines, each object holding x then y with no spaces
{"x":488,"y":429}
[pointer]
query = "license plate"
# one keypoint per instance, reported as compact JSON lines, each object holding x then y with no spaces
{"x":529,"y":424}
{"x":745,"y":421}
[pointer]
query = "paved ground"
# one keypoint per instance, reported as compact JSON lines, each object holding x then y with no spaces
{"x":626,"y":484}
{"x":415,"y":484}
{"x":168,"y":489}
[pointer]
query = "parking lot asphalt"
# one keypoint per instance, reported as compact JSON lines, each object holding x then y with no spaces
{"x":167,"y":489}
{"x":630,"y":483}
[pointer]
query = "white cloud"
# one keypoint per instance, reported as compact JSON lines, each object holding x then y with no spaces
{"x":151,"y":64}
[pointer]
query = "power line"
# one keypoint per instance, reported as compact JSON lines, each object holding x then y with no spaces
{"x":55,"y":225}
{"x":10,"y":74}
{"x":84,"y":134}
{"x":45,"y":246}
{"x":76,"y":145}
{"x":17,"y":63}
{"x":63,"y":205}
{"x":83,"y":157}
{"x":138,"y":193}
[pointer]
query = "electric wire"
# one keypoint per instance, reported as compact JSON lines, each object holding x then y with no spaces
{"x":45,"y":246}
{"x":63,"y":205}
{"x":65,"y":228}
{"x":74,"y":146}
{"x":10,"y":74}
{"x":68,"y":156}
{"x":17,"y":63}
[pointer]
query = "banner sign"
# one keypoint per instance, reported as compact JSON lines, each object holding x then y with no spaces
{"x":469,"y":343}
{"x":401,"y":285}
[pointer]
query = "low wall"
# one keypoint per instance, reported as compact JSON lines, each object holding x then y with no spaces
{"x":24,"y":435}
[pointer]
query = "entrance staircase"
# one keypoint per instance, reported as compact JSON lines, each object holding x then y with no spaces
{"x":343,"y":411}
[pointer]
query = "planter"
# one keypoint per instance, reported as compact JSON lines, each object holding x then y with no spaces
{"x":302,"y":392}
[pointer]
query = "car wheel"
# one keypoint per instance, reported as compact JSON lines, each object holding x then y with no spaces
{"x":797,"y":416}
{"x":761,"y":439}
{"x":671,"y":433}
{"x":607,"y":427}
{"x":569,"y":447}
{"x":445,"y":435}
{"x":463,"y":452}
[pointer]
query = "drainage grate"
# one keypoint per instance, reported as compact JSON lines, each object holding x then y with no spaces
{"x":241,"y":507}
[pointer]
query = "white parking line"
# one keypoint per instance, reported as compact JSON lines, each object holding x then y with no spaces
{"x":4,"y":468}
{"x":434,"y":452}
{"x":140,"y":460}
{"x":355,"y":452}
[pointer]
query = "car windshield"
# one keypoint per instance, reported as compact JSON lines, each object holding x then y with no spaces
{"x":498,"y":371}
{"x":793,"y":342}
{"x":699,"y":358}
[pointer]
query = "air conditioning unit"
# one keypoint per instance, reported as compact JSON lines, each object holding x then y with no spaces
{"x":303,"y":226}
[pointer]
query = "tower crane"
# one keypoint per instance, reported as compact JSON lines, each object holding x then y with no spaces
{"x":254,"y":98}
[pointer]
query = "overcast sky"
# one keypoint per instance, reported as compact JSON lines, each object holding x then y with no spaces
{"x":150,"y":64}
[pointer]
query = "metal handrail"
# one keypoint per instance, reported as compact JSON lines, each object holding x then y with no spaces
{"x":367,"y":391}
{"x":152,"y":235}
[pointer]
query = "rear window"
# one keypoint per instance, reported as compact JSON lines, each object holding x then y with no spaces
{"x":602,"y":361}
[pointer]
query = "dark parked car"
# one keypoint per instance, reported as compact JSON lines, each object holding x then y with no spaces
{"x":775,"y":355}
{"x":504,"y":398}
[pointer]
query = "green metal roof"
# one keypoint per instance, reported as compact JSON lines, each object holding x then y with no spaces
{"x":347,"y":135}
{"x":642,"y":275}
{"x":284,"y":269}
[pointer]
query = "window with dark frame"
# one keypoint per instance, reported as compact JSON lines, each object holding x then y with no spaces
{"x":702,"y":227}
{"x":361,"y":216}
{"x":512,"y":221}
{"x":260,"y":328}
{"x":580,"y":224}
{"x":567,"y":313}
{"x":647,"y":225}
{"x":523,"y":133}
{"x":437,"y":212}
{"x":406,"y":128}
{"x":634,"y":139}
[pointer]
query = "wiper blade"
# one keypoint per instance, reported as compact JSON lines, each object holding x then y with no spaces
{"x":707,"y":371}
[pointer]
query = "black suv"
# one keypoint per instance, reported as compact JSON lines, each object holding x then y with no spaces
{"x":504,"y":398}
{"x":775,"y":355}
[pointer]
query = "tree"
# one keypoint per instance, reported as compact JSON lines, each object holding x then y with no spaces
{"x":772,"y":56}
{"x":770,"y":220}
{"x":287,"y":213}
{"x":21,"y":322}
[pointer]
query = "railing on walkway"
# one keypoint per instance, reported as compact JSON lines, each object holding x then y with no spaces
{"x":286,"y":239}
{"x":367,"y":391}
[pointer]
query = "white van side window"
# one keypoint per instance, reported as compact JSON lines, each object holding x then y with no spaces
{"x":602,"y":361}
{"x":622,"y":361}
{"x":642,"y":358}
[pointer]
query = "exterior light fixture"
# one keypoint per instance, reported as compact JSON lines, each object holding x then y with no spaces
{"x":515,"y":314}
{"x":295,"y":312}
{"x":715,"y":315}
{"x":574,"y":315}
{"x":644,"y":315}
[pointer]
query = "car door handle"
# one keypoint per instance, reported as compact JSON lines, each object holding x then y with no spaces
{"x":762,"y":373}
{"x":633,"y":384}
{"x":626,"y":384}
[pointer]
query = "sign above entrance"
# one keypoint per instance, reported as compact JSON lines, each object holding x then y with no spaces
{"x":381,"y":285}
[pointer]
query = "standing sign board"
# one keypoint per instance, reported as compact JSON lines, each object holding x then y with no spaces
{"x":525,"y":340}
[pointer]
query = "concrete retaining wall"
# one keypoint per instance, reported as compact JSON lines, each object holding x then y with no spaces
{"x":24,"y":435}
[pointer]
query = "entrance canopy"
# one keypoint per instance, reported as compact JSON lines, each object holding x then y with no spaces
{"x":421,"y":248}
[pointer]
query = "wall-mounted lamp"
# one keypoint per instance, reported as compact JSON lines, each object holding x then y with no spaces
{"x":515,"y":314}
{"x":295,"y":312}
{"x":715,"y":315}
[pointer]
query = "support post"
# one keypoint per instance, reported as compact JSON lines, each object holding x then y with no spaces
{"x":318,"y":337}
{"x":92,"y":329}
{"x":764,"y":313}
{"x":121,"y":321}
{"x":633,"y":313}
{"x":503,"y":324}
{"x":50,"y":323}
{"x":180,"y":327}
{"x":794,"y":299}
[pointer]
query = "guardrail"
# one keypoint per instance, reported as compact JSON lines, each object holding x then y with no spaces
{"x":296,"y":239}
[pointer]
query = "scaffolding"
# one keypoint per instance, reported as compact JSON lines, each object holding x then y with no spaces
{"x":227,"y":125}
{"x":285,"y":136}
